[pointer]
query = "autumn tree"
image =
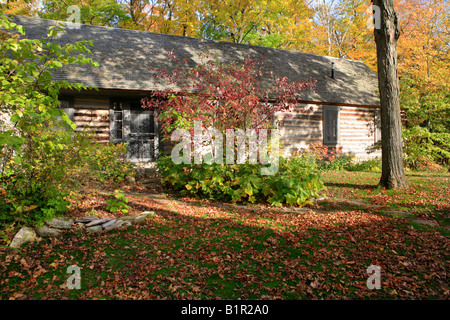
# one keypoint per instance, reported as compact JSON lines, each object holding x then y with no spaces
{"x":424,"y":58}
{"x":340,"y":29}
{"x":386,"y":37}
{"x":273,"y":23}
{"x":107,"y":13}
{"x":20,"y":7}
{"x":222,"y":95}
{"x":424,"y":61}
{"x":163,"y":16}
{"x":141,"y":12}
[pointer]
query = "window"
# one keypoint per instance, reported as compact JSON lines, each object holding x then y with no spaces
{"x":142,"y":121}
{"x":117,"y":123}
{"x":330,"y":125}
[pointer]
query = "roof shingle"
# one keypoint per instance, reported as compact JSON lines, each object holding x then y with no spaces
{"x":126,"y":56}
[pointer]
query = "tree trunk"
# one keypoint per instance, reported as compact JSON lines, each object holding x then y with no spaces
{"x":393,"y":173}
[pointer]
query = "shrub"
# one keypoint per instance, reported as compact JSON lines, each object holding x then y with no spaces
{"x":103,"y":161}
{"x":371,"y":165}
{"x":293,"y":184}
{"x":423,"y":148}
{"x":118,"y":203}
{"x":37,"y":186}
{"x":227,"y":95}
{"x":37,"y":152}
{"x":34,"y":183}
{"x":322,"y":158}
{"x":338,"y":163}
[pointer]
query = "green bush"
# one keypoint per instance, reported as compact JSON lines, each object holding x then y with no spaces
{"x":103,"y":161}
{"x":337,"y":163}
{"x":423,"y":148}
{"x":320,"y":157}
{"x":35,"y":183}
{"x":370,"y":165}
{"x":38,"y":147}
{"x":38,"y":185}
{"x":118,"y":203}
{"x":293,"y":184}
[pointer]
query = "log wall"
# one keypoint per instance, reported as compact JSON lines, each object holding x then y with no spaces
{"x":357,"y":132}
{"x":300,"y":128}
{"x":93,"y":114}
{"x":303,"y":126}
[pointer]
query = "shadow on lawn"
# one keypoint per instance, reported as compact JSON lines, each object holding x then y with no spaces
{"x":237,"y":214}
{"x":352,"y":186}
{"x":231,"y":253}
{"x":429,"y":174}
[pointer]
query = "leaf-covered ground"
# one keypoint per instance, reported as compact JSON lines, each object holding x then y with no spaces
{"x":195,"y":249}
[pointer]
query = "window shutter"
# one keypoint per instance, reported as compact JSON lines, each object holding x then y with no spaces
{"x":330,"y":125}
{"x":116,"y":123}
{"x":377,"y":126}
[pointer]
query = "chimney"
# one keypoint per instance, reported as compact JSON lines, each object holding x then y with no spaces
{"x":332,"y":71}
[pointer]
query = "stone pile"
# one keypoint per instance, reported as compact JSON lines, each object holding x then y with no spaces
{"x":90,"y":223}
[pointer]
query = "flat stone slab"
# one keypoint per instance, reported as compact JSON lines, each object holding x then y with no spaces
{"x":141,"y":218}
{"x":117,"y":224}
{"x":91,"y":224}
{"x":426,"y":222}
{"x":87,"y":219}
{"x":45,"y":231}
{"x":109,"y":223}
{"x":60,"y":223}
{"x":127,"y":217}
{"x":146,"y":213}
{"x":97,"y":222}
{"x":137,"y":218}
{"x":94,"y":229}
{"x":24,"y":235}
{"x":320,"y":199}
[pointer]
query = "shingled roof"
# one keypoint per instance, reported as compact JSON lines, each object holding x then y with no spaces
{"x":126,"y":56}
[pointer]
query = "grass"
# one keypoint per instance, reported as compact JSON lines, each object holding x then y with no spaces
{"x":427,"y":195}
{"x":196,"y":249}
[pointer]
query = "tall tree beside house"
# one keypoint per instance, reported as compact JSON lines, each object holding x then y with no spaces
{"x":386,"y":37}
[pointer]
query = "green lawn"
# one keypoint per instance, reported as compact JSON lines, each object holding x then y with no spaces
{"x":195,"y":249}
{"x":428,"y":195}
